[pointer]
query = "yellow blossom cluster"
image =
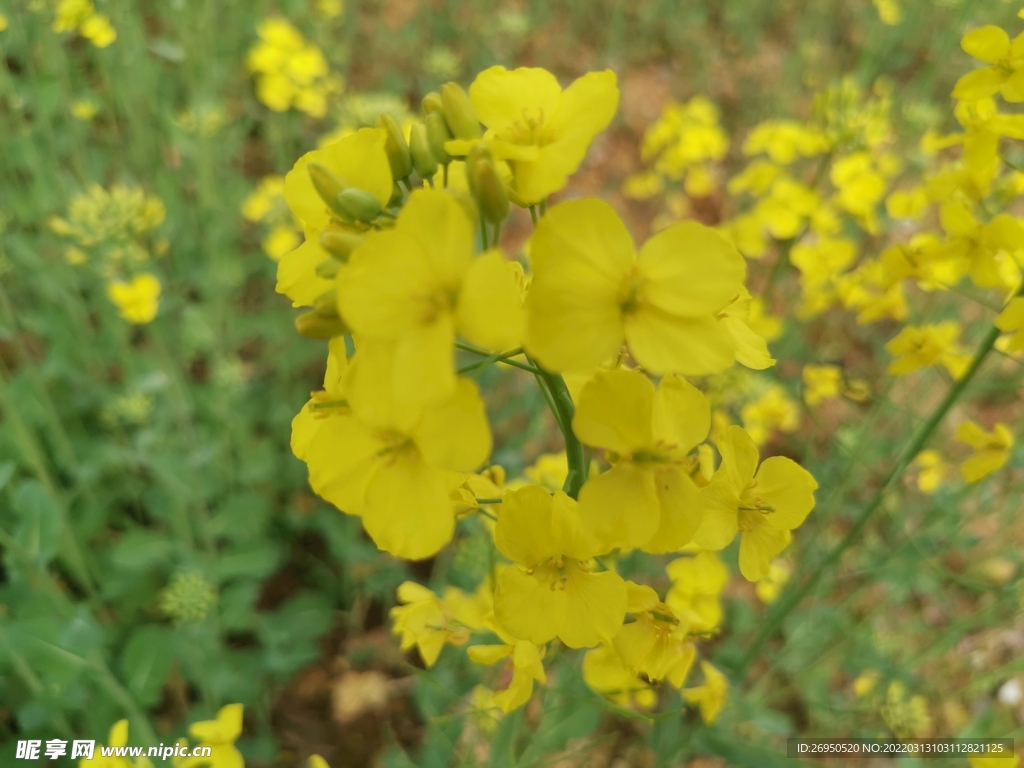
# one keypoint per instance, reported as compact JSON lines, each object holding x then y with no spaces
{"x":112,"y":233}
{"x":682,"y":145}
{"x":402,"y":270}
{"x":290,"y":71}
{"x":80,"y":16}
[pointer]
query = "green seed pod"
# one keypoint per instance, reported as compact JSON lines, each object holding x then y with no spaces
{"x":339,"y":244}
{"x":358,"y":204}
{"x":328,"y":185}
{"x":329,"y":267}
{"x":432,"y":103}
{"x":314,"y":326}
{"x":423,"y":159}
{"x":458,"y":112}
{"x":437,"y":135}
{"x":395,"y":146}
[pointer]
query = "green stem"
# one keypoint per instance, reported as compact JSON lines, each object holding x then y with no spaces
{"x":446,"y":175}
{"x":504,"y":357}
{"x":793,"y":596}
{"x":496,"y":240}
{"x":488,"y":501}
{"x":483,"y":232}
{"x":543,"y":206}
{"x":533,"y":214}
{"x":563,"y":408}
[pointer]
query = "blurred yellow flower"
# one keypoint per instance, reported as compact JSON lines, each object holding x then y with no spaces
{"x":991,"y":449}
{"x":889,"y":11}
{"x":427,"y":622}
{"x":773,"y":411}
{"x":769,"y":586}
{"x":933,"y":472}
{"x":1011,"y":320}
{"x":332,"y":9}
{"x":81,"y":16}
{"x":137,"y":300}
{"x":926,"y":345}
{"x":711,"y":696}
{"x":865,"y":682}
{"x":604,"y":671}
{"x":289,"y":70}
{"x":784,"y":141}
{"x":907,"y":718}
{"x":220,"y":735}
{"x":83,"y":109}
{"x":280,"y":240}
{"x":697,"y":584}
{"x":1005,"y":76}
{"x":526,"y":661}
{"x":3,"y":22}
{"x":822,"y":382}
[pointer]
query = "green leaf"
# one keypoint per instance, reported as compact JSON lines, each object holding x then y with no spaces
{"x":39,"y":528}
{"x":142,"y":550}
{"x":250,"y":561}
{"x":146,"y":661}
{"x":290,"y":633}
{"x":7,"y":470}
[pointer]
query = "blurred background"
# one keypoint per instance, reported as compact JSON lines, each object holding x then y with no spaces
{"x":162,"y":554}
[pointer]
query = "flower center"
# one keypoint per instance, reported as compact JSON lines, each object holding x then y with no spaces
{"x":529,"y":129}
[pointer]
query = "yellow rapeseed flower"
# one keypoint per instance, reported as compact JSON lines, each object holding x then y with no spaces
{"x":1011,"y":320}
{"x":427,"y":622}
{"x":527,"y":666}
{"x":220,"y":735}
{"x":647,"y":498}
{"x":697,"y":584}
{"x":764,"y":506}
{"x":591,"y":292}
{"x":541,"y":130}
{"x":933,"y":471}
{"x":396,"y":467}
{"x":822,"y":382}
{"x":656,"y":643}
{"x":138,"y":299}
{"x":991,"y":449}
{"x":1005,"y":76}
{"x":418,"y":287}
{"x":361,"y":162}
{"x":551,"y":591}
{"x":711,"y":696}
{"x":926,"y":345}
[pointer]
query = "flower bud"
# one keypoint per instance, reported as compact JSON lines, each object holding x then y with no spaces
{"x":487,"y":185}
{"x":432,"y":103}
{"x":358,"y":204}
{"x":437,"y":135}
{"x":339,"y":244}
{"x":458,"y":112}
{"x":313,"y":326}
{"x":328,"y":185}
{"x":395,"y":146}
{"x":326,"y":304}
{"x":423,"y":159}
{"x":328,"y":268}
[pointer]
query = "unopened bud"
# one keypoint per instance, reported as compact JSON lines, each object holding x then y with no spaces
{"x":328,"y":185}
{"x":432,"y":103}
{"x":489,"y":189}
{"x":329,"y":267}
{"x":358,"y":204}
{"x":437,"y":135}
{"x":326,"y":304}
{"x":396,"y":148}
{"x":314,"y":326}
{"x":458,"y":112}
{"x":423,"y":159}
{"x":339,"y":244}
